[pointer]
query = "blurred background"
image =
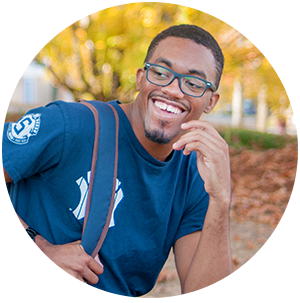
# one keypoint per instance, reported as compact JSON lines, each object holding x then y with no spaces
{"x":96,"y":58}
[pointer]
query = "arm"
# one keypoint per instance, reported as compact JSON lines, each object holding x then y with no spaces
{"x":204,"y":258}
{"x":66,"y":266}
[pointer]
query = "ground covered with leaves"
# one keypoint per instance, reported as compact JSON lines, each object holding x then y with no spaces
{"x":262,"y":183}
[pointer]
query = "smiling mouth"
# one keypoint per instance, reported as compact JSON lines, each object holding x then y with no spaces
{"x":167,"y":107}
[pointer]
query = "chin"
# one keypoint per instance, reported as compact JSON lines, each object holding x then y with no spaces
{"x":160,"y":129}
{"x":161,"y":134}
{"x":157,"y":137}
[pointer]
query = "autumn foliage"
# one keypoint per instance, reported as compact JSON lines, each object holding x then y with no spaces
{"x":96,"y":57}
{"x":262,"y":182}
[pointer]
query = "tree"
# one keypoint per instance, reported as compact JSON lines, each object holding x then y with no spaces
{"x":97,"y":57}
{"x":261,"y":45}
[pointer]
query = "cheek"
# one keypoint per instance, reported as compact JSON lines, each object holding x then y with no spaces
{"x":198,"y":107}
{"x":196,"y":112}
{"x":142,"y":101}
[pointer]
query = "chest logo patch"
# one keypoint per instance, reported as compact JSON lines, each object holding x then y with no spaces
{"x":83,"y":185}
{"x":20,"y":132}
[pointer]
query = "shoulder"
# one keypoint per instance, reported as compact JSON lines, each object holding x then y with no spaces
{"x":38,"y":123}
{"x":71,"y":111}
{"x":77,"y":118}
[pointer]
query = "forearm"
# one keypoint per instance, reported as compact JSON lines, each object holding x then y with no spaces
{"x":212,"y":259}
{"x":66,"y":266}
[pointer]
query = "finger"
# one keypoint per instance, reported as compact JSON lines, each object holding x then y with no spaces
{"x":203,"y":125}
{"x":198,"y":147}
{"x":198,"y":136}
{"x":92,"y":272}
{"x":96,"y":266}
{"x":94,"y":269}
{"x":90,"y":278}
{"x":204,"y":144}
{"x":201,"y":131}
{"x":97,"y":260}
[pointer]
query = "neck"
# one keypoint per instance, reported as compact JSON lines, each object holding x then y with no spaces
{"x":160,"y":152}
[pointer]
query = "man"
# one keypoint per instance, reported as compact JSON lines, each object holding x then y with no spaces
{"x":173,"y":173}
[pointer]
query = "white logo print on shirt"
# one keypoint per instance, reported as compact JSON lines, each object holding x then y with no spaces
{"x":79,"y":212}
{"x":20,"y":132}
{"x":118,"y":197}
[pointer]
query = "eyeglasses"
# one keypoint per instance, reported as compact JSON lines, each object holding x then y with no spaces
{"x":189,"y":85}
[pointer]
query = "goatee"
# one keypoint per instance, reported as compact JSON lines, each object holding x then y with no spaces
{"x":157,"y":137}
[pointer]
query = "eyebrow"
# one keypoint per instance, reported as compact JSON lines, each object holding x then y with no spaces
{"x":200,"y":73}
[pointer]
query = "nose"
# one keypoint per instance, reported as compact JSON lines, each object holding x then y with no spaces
{"x":173,"y":89}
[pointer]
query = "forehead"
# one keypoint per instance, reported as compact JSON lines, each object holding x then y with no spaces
{"x":184,"y":56}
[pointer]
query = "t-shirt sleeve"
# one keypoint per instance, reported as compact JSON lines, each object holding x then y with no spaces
{"x":33,"y":144}
{"x":195,"y":210}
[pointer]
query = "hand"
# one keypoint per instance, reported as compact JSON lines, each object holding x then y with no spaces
{"x":73,"y":259}
{"x":212,"y":157}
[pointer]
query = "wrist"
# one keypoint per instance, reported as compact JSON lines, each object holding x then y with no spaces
{"x":222,"y":201}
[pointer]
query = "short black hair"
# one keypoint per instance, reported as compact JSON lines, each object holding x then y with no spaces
{"x":197,"y":34}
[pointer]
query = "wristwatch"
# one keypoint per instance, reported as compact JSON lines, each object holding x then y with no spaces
{"x":22,"y":245}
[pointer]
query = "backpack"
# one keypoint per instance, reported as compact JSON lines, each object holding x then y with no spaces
{"x":101,"y":193}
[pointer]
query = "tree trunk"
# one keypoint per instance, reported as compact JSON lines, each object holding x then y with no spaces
{"x":237,"y":105}
{"x":262,"y":109}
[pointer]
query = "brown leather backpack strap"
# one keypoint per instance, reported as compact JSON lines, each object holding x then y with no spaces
{"x":94,"y":158}
{"x":93,"y":202}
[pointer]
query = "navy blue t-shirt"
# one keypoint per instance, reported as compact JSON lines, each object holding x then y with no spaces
{"x":48,"y":155}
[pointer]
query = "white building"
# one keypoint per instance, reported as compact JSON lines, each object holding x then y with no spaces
{"x":35,"y":90}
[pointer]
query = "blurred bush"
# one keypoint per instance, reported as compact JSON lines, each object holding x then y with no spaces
{"x":243,"y":138}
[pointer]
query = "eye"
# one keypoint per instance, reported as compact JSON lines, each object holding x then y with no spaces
{"x":194,"y":84}
{"x":160,"y":73}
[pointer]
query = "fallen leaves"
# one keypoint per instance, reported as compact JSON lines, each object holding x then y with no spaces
{"x":262,"y":182}
{"x":235,"y":262}
{"x":167,"y":275}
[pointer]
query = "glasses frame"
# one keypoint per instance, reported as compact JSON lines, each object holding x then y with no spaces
{"x":179,"y":76}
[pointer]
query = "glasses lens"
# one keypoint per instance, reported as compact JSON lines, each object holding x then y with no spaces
{"x":189,"y":85}
{"x":159,"y":75}
{"x":193,"y":86}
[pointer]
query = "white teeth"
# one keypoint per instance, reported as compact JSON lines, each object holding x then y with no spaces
{"x":169,"y":108}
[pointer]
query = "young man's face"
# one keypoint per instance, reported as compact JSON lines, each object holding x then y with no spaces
{"x":164,"y":109}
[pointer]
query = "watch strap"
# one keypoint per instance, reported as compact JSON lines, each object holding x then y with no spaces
{"x":32,"y":233}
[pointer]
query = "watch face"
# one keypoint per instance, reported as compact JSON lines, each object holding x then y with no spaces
{"x":21,"y":246}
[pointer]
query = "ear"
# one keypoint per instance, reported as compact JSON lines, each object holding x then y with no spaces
{"x":139,"y":77}
{"x":212,"y":103}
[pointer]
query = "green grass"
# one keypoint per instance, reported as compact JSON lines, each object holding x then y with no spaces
{"x":239,"y":138}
